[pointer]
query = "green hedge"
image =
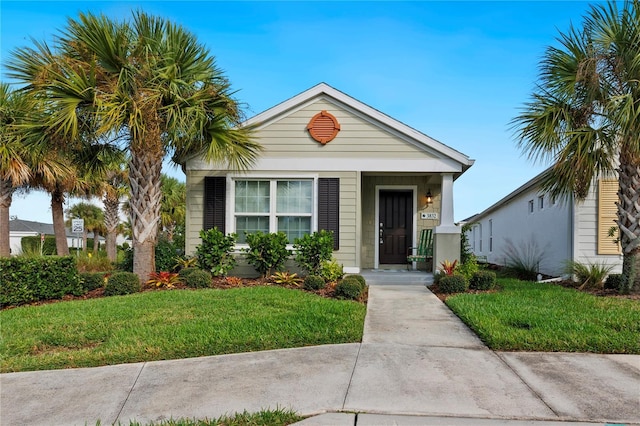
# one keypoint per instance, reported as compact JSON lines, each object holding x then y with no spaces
{"x":30,"y":279}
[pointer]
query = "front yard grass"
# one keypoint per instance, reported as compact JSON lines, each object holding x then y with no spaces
{"x":172,"y":324}
{"x":528,"y":316}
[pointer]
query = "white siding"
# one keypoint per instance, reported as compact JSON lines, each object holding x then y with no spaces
{"x":546,"y":230}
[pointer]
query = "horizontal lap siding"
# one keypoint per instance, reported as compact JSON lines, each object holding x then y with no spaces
{"x":357,"y":137}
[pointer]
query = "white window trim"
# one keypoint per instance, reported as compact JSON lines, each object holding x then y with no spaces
{"x":230,"y":217}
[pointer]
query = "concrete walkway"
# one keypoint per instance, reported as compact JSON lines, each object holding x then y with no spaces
{"x":418,"y":364}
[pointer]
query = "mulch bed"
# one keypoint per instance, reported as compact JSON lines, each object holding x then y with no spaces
{"x":221,"y":283}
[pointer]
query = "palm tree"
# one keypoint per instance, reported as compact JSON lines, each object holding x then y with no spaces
{"x":152,"y":80}
{"x":14,"y":169}
{"x":585,"y":117}
{"x":92,"y":216}
{"x":173,"y":206}
{"x":21,"y":164}
{"x":113,"y":189}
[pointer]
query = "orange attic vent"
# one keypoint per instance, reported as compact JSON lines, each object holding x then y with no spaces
{"x":323,"y":127}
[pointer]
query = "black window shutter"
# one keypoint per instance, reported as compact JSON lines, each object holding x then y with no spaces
{"x":329,"y":207}
{"x":214,"y":202}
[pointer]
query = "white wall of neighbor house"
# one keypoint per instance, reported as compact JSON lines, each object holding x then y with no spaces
{"x":532,"y":224}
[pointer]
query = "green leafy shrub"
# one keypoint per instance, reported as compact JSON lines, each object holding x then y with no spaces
{"x":331,"y":270}
{"x":468,"y":267}
{"x":267,"y":252}
{"x":197,"y":278}
{"x":589,"y":275}
{"x":482,"y":280}
{"x":29,"y":279}
{"x":214,"y":254}
{"x":359,"y":278}
{"x":122,"y":283}
{"x":614,"y":282}
{"x":165,"y":254}
{"x":349,"y":288}
{"x":452,"y":284}
{"x":312,"y":250}
{"x":186,"y":271}
{"x":92,"y":280}
{"x":314,"y":282}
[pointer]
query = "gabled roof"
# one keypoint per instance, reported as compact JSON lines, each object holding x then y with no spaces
{"x":324,"y":90}
{"x":19,"y":225}
{"x":533,"y":182}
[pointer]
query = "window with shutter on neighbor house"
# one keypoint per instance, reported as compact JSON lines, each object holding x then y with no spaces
{"x":607,"y":215}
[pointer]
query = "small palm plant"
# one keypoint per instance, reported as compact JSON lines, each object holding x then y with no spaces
{"x":590,"y":275}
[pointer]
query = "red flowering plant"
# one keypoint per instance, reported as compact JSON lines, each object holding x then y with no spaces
{"x":163,"y":279}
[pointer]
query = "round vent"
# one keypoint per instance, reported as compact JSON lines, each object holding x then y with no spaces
{"x":323,"y":127}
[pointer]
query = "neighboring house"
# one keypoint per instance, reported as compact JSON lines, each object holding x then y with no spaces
{"x":531,"y":223}
{"x":26,"y":228}
{"x":332,"y":162}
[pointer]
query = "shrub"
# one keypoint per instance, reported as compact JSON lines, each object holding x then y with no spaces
{"x":314,"y":282}
{"x":452,"y":284}
{"x":331,"y":270}
{"x":197,"y":278}
{"x":92,"y":280}
{"x":469,"y":267}
{"x":349,"y":288}
{"x":122,"y":283}
{"x":482,"y":280}
{"x":312,"y":250}
{"x":187,"y":271}
{"x":286,"y":278}
{"x":590,"y":275}
{"x":29,"y":279}
{"x":267,"y":252}
{"x":614,"y":281}
{"x":165,"y":255}
{"x":214,"y":254}
{"x":359,"y":278}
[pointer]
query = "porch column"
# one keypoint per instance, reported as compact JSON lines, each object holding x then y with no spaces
{"x":446,"y":242}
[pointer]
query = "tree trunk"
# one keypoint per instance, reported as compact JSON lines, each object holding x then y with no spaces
{"x":96,"y":242}
{"x":111,"y":220}
{"x":57,"y":211}
{"x":629,"y":219}
{"x":85,"y":239}
{"x":144,"y":178}
{"x":6,"y":196}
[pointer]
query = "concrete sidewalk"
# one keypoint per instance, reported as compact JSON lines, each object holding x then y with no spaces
{"x":418,"y":364}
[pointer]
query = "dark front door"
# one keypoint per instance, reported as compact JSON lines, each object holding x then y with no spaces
{"x":396,"y":225}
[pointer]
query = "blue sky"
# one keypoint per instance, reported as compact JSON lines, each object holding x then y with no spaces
{"x":457,"y":71}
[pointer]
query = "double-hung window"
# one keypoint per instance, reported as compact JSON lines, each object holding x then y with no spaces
{"x":273,"y":205}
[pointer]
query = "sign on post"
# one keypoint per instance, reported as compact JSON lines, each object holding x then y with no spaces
{"x":77,"y":226}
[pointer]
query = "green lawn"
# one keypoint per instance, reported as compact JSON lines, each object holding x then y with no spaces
{"x":547,"y":317}
{"x":170,"y":325}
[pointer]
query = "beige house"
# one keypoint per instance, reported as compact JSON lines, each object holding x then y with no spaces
{"x":332,"y":162}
